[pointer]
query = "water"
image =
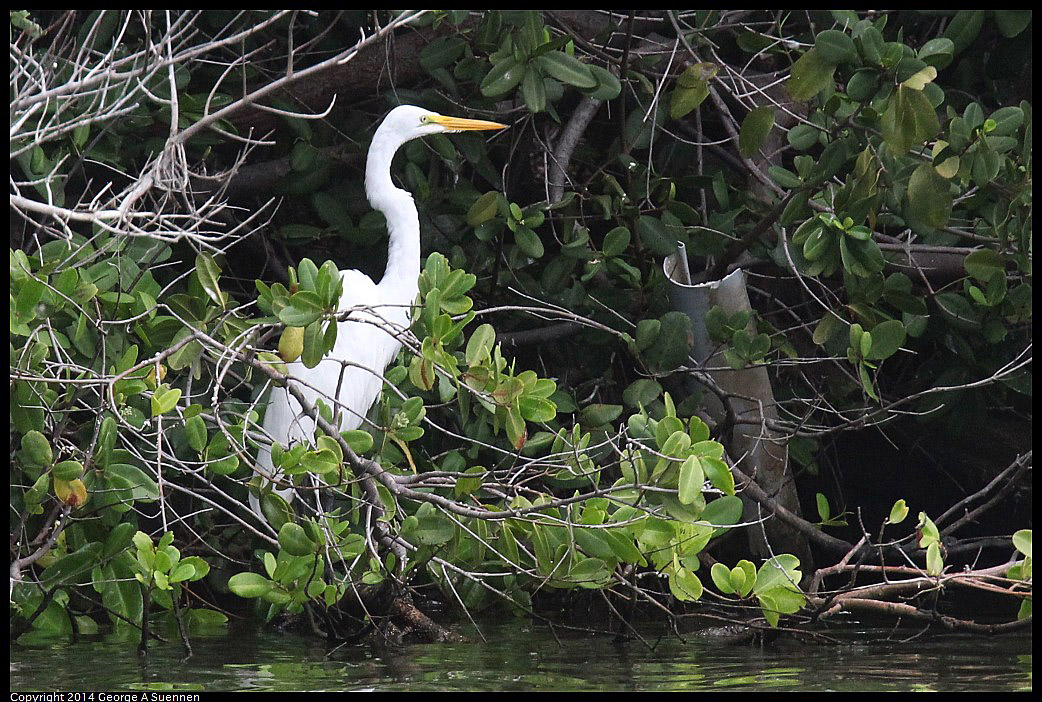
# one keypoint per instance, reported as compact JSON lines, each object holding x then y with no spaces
{"x":526,"y":657}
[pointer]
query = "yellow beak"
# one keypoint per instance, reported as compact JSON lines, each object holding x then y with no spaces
{"x":459,"y":124}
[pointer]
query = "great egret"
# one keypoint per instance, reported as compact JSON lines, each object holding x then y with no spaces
{"x":368,"y":340}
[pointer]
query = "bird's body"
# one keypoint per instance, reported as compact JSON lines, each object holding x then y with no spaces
{"x":350,"y":377}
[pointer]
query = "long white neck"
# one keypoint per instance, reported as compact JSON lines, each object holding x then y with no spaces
{"x":403,"y":223}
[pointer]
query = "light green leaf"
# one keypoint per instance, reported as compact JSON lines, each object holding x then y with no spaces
{"x":691,"y":480}
{"x":1022,"y":541}
{"x":934,"y":559}
{"x":164,"y":399}
{"x":250,"y":585}
{"x":898,"y":512}
{"x":536,"y":409}
{"x":479,"y":346}
{"x":921,"y":78}
{"x":294,"y":540}
{"x":721,"y":575}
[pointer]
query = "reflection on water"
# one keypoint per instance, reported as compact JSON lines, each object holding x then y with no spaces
{"x":519,"y":656}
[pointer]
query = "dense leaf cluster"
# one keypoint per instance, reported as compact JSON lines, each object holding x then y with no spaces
{"x":871,"y":169}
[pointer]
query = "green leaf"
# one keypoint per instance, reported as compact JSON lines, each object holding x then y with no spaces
{"x":68,"y":470}
{"x":784,"y":177}
{"x":921,"y":78}
{"x":307,"y":274}
{"x":934,"y":559}
{"x":835,"y":46}
{"x":294,"y":540}
{"x":37,"y":448}
{"x":608,"y":86}
{"x":483,"y":209}
{"x":810,"y":75}
{"x":313,"y":346}
{"x":653,"y":235}
{"x":691,"y":481}
{"x":778,"y":572}
{"x":536,"y":409}
{"x":1007,"y":120}
{"x":515,"y":426}
{"x":692,"y":89}
{"x":721,"y":575}
{"x":937,"y":52}
{"x":862,"y":258}
{"x":68,"y":567}
{"x":724,"y":511}
{"x":209,"y":274}
{"x":321,"y":462}
{"x":719,"y":474}
{"x":866,"y":380}
{"x":441,"y":53}
{"x":182,"y":571}
{"x":433,"y":528}
{"x":898,"y":512}
{"x":755,"y":128}
{"x":479,"y":346}
{"x":1022,"y":541}
{"x":125,"y":476}
{"x":1012,"y":22}
{"x":567,"y":69}
{"x":359,"y":440}
{"x":908,"y":120}
{"x":302,"y":157}
{"x":964,"y":28}
{"x":685,"y":585}
{"x":304,"y":307}
{"x":164,"y":399}
{"x":250,"y":585}
{"x":672,"y":344}
{"x":623,"y":547}
{"x":616,"y":241}
{"x":887,"y":338}
{"x":929,"y":198}
{"x":533,"y":90}
{"x":778,"y":601}
{"x":529,"y":242}
{"x":595,"y":415}
{"x":928,"y":532}
{"x":503,"y":77}
{"x":803,"y":136}
{"x":823,"y":507}
{"x":641,"y":392}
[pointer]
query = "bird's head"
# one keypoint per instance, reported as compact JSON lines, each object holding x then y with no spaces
{"x":407,"y":122}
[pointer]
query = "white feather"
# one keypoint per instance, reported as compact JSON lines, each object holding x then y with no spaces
{"x":351,"y":375}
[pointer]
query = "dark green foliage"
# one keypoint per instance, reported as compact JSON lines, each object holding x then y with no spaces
{"x":893,"y":279}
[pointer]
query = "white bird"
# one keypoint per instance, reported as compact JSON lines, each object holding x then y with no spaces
{"x":369,"y":339}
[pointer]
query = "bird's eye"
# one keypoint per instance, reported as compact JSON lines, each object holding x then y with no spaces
{"x":424,"y":119}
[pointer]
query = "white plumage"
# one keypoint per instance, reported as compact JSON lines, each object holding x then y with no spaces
{"x":369,"y":339}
